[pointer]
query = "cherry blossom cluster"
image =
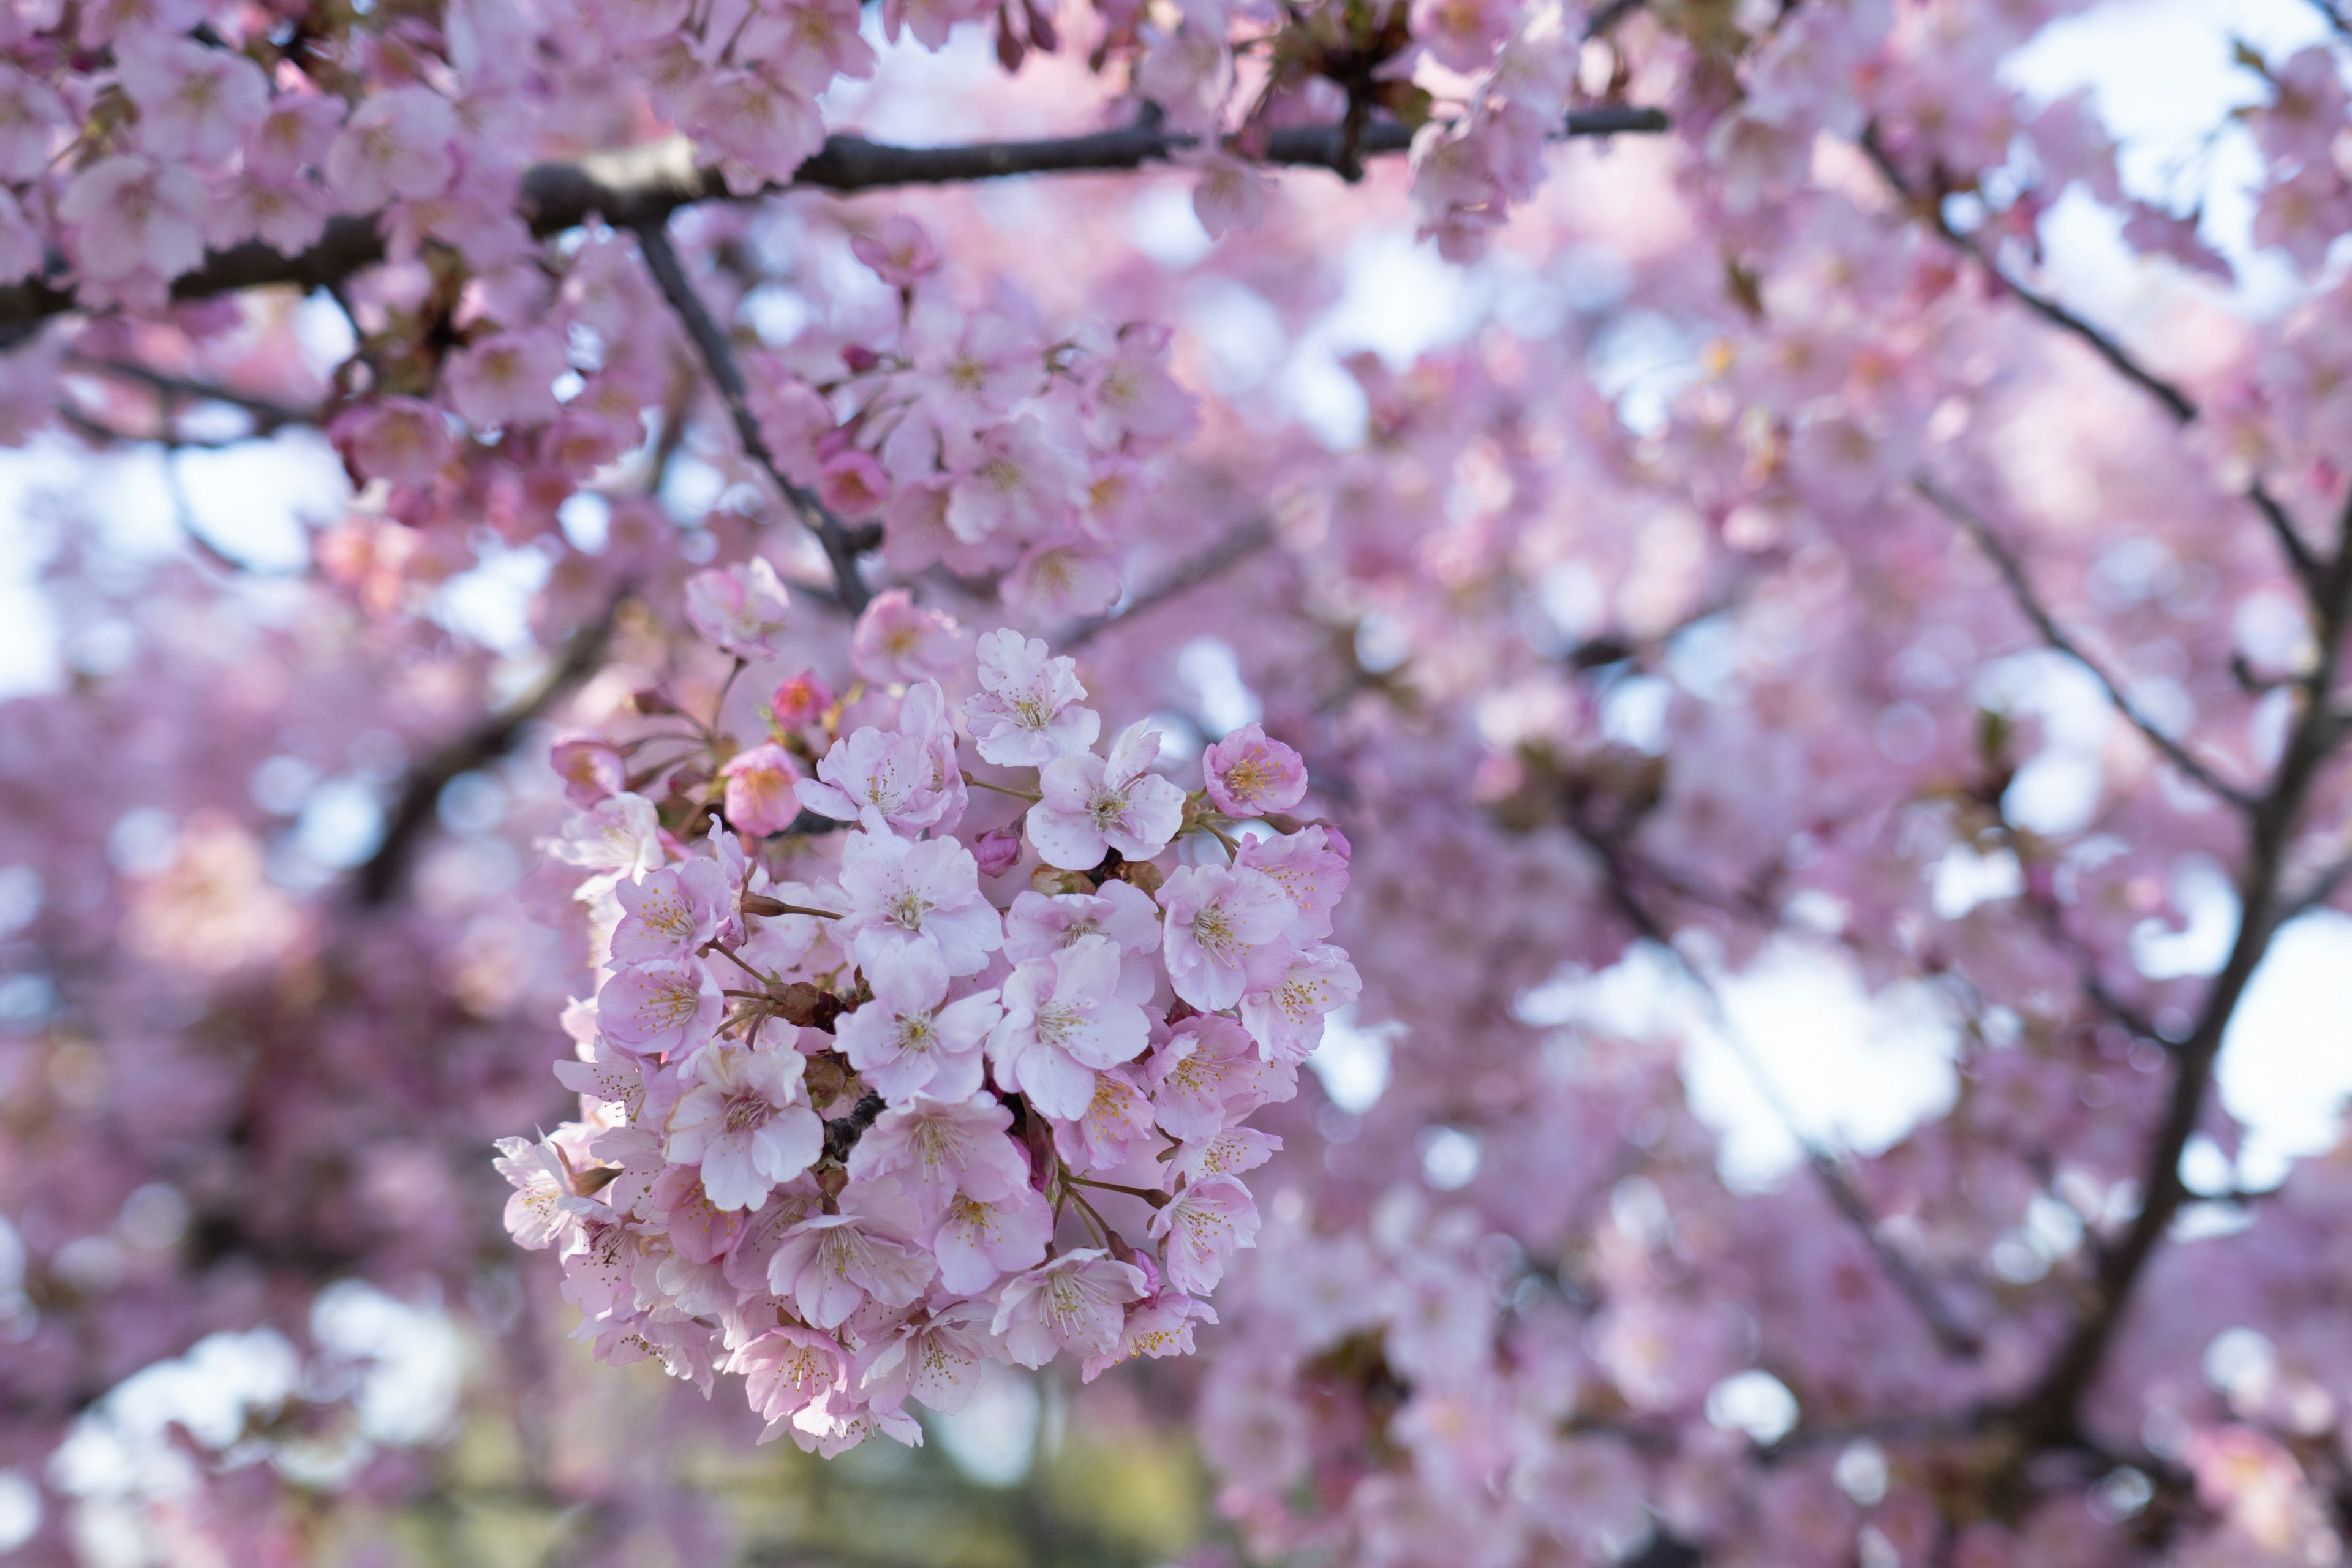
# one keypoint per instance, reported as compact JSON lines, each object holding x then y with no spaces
{"x":852,"y":1126}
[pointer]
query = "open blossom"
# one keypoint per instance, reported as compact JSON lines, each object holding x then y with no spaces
{"x":762,"y":128}
{"x":759,"y":797}
{"x":901,"y":893}
{"x":898,"y":642}
{"x":907,"y":780}
{"x":131,"y":217}
{"x":194,"y":102}
{"x":1026,"y":713}
{"x":1285,"y":1015}
{"x":1072,"y":1303}
{"x":934,"y":1360}
{"x":831,"y":1265}
{"x":1203,"y":1227}
{"x":742,"y":609}
{"x":1207,"y":1075}
{"x":1063,"y":1020}
{"x":745,"y":1123}
{"x":1159,"y":1325}
{"x":405,"y":440}
{"x":786,"y":1368}
{"x":979,"y":1240}
{"x":668,"y":913}
{"x":905,"y":1042}
{"x":1019,"y":480}
{"x":1037,"y":926}
{"x":1223,"y":931}
{"x":542,"y":1209}
{"x":1249,"y":776}
{"x":1115,"y":1123}
{"x":1311,"y":868}
{"x":1227,"y":1153}
{"x":396,"y":145}
{"x":668,"y":1007}
{"x":31,"y":115}
{"x":508,"y":378}
{"x":615,"y":839}
{"x":938,"y":1148}
{"x":1093,"y":806}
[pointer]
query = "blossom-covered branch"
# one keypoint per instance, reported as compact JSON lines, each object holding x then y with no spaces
{"x":643,"y":185}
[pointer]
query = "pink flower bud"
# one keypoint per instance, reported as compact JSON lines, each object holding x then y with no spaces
{"x":759,"y":798}
{"x":1249,"y":775}
{"x":997,"y":850}
{"x":590,"y":767}
{"x":853,"y":485}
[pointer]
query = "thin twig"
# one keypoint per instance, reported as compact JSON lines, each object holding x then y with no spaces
{"x":2020,"y":588}
{"x":1220,"y":558}
{"x":642,"y":185}
{"x":726,"y":374}
{"x":267,"y":414}
{"x":1953,"y":1337}
{"x":413,"y":813}
{"x":2175,"y":401}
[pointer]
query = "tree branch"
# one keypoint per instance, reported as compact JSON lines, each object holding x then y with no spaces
{"x":840,"y":546}
{"x":1220,"y":558}
{"x":2022,"y":590}
{"x":2176,"y":402}
{"x":2049,"y":1412}
{"x":643,"y":185}
{"x":1953,"y":1337}
{"x":379,"y":875}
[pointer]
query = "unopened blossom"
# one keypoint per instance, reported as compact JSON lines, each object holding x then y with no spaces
{"x":397,"y":143}
{"x":897,"y":641}
{"x":1224,"y":932}
{"x":832,"y":1264}
{"x":998,"y":850}
{"x":666,"y":1008}
{"x":981,"y":1239}
{"x":670,"y":912}
{"x":508,"y":378}
{"x":900,"y":249}
{"x":1249,"y":775}
{"x":759,"y":798}
{"x":1063,"y":1022}
{"x":901,"y":893}
{"x":909,"y":1040}
{"x":1285,"y":1012}
{"x":1203,"y":1227}
{"x":1092,"y":805}
{"x":745,"y":1121}
{"x":743,"y":608}
{"x":853,"y":485}
{"x":1026,"y":713}
{"x":1072,"y":1303}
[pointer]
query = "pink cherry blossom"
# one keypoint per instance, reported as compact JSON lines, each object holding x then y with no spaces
{"x":1026,"y":713}
{"x":1093,"y":806}
{"x":909,"y":1040}
{"x":194,"y":102}
{"x":1201,"y":1226}
{"x":981,"y":1239}
{"x":900,"y":249}
{"x":745,"y":1122}
{"x":670,"y":912}
{"x":508,"y":378}
{"x":397,"y":143}
{"x":938,"y":1148}
{"x":902,"y":894}
{"x":1285,"y":1014}
{"x":1072,"y":1303}
{"x":829,"y":1265}
{"x":666,"y":1008}
{"x":898,"y":642}
{"x":760,"y":789}
{"x":1223,"y":931}
{"x":1063,"y":1021}
{"x":1249,"y":776}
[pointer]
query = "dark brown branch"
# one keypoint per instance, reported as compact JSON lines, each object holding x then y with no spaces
{"x":643,"y":185}
{"x":420,"y":796}
{"x":1214,"y":562}
{"x":2176,"y":402}
{"x":840,"y":546}
{"x":2049,"y":1414}
{"x":2020,"y":588}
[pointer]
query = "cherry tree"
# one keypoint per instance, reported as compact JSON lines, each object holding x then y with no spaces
{"x":859,"y":735}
